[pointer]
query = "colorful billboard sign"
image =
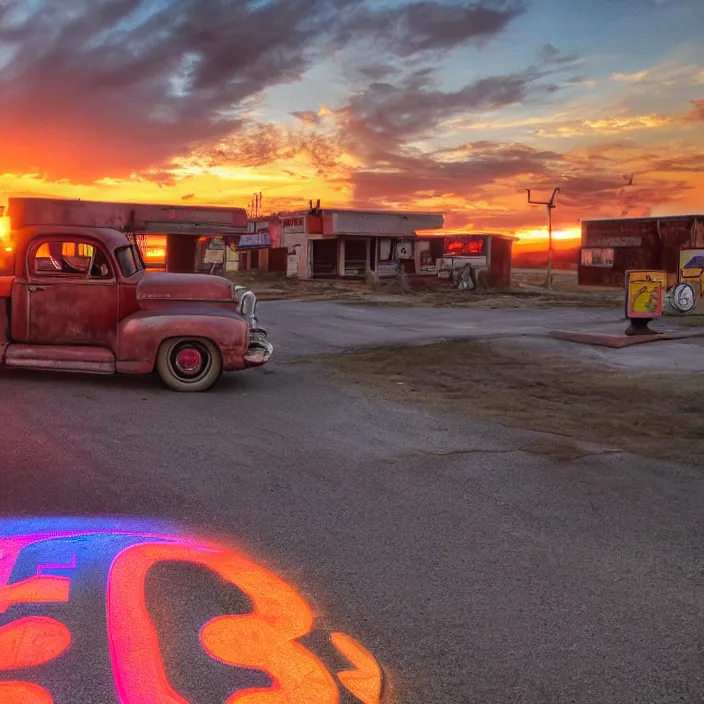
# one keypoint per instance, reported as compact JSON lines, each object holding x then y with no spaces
{"x":692,"y":269}
{"x":645,"y":291}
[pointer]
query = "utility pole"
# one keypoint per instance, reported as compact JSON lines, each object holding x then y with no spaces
{"x":550,"y":205}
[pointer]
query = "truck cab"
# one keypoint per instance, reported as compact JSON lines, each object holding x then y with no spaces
{"x":76,"y":298}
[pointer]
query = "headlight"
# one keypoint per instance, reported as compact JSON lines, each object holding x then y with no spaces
{"x":237,"y":292}
{"x":246,"y":301}
{"x":248,"y":304}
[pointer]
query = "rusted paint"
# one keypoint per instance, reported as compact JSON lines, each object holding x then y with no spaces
{"x":50,"y":211}
{"x":141,"y":335}
{"x":66,"y":320}
{"x":183,"y":287}
{"x":4,"y":322}
{"x":6,"y":286}
{"x":61,"y":358}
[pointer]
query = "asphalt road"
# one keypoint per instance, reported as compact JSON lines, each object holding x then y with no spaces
{"x":330,"y":327}
{"x":474,"y":571}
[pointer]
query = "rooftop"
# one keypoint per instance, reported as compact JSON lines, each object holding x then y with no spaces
{"x":647,"y":218}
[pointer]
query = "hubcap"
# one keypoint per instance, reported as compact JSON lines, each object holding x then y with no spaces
{"x":189,"y":361}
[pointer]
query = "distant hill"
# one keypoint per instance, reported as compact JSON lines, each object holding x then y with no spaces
{"x":561,"y":259}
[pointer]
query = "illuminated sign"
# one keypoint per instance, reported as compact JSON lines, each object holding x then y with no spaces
{"x":464,"y":246}
{"x":129,"y":614}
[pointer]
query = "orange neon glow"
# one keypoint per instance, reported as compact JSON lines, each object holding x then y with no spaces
{"x":365,"y":681}
{"x":264,"y":639}
{"x":34,"y":590}
{"x":154,"y":253}
{"x":15,"y":692}
{"x":4,"y":227}
{"x":32,"y":641}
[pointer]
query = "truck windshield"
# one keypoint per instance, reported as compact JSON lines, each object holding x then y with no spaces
{"x":129,"y":262}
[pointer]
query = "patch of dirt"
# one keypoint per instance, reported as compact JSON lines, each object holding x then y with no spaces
{"x":652,"y":415}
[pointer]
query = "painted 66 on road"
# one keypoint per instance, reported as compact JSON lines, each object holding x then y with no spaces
{"x":126,"y":612}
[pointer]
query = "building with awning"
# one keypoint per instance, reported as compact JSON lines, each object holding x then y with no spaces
{"x":172,"y":237}
{"x":335,"y":242}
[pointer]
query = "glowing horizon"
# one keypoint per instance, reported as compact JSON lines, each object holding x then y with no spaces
{"x":355,"y":119}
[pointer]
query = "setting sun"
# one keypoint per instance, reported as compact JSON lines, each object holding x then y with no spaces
{"x":538,"y":239}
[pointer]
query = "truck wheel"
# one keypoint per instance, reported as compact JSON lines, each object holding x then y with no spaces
{"x":189,"y":364}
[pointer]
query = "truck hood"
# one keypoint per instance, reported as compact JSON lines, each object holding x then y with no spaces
{"x":162,"y":286}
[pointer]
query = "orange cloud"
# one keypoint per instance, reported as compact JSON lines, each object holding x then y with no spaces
{"x":610,"y":125}
{"x":185,"y":118}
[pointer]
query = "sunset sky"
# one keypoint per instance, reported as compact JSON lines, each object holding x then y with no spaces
{"x":452,"y":106}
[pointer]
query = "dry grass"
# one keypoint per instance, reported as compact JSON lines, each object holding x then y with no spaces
{"x":429,"y":292}
{"x":652,"y":415}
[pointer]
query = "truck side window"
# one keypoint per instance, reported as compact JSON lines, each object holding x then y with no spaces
{"x":71,"y":260}
{"x":100,"y":268}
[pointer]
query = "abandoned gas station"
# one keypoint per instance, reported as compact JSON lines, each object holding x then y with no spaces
{"x":331,"y":243}
{"x":307,"y":244}
{"x":171,"y":237}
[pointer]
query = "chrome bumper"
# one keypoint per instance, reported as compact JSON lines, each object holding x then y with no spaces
{"x":260,"y":349}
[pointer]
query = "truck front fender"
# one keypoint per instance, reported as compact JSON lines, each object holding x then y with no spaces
{"x":140,"y":335}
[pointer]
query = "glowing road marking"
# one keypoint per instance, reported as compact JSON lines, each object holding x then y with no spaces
{"x":24,"y":692}
{"x":264,"y":640}
{"x":33,"y":641}
{"x":365,"y":680}
{"x":35,"y":590}
{"x":52,"y":566}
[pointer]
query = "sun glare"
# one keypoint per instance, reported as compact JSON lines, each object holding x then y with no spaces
{"x":4,"y":227}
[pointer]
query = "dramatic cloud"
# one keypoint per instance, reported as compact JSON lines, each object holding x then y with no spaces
{"x":380,"y":119}
{"x":360,"y":102}
{"x":609,"y":125}
{"x":432,"y":26}
{"x":93,"y":89}
{"x":461,"y":172}
{"x":107,"y":88}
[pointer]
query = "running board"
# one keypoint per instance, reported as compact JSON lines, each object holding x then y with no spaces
{"x":61,"y":358}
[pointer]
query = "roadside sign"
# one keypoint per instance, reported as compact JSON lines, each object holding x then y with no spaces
{"x":645,"y":291}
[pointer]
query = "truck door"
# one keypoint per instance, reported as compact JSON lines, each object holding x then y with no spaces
{"x":72,"y":293}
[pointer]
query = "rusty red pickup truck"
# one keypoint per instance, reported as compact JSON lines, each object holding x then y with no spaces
{"x":79,"y":299}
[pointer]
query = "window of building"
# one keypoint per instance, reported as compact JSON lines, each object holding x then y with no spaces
{"x":385,"y":249}
{"x":472,"y":246}
{"x":597,"y":256}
